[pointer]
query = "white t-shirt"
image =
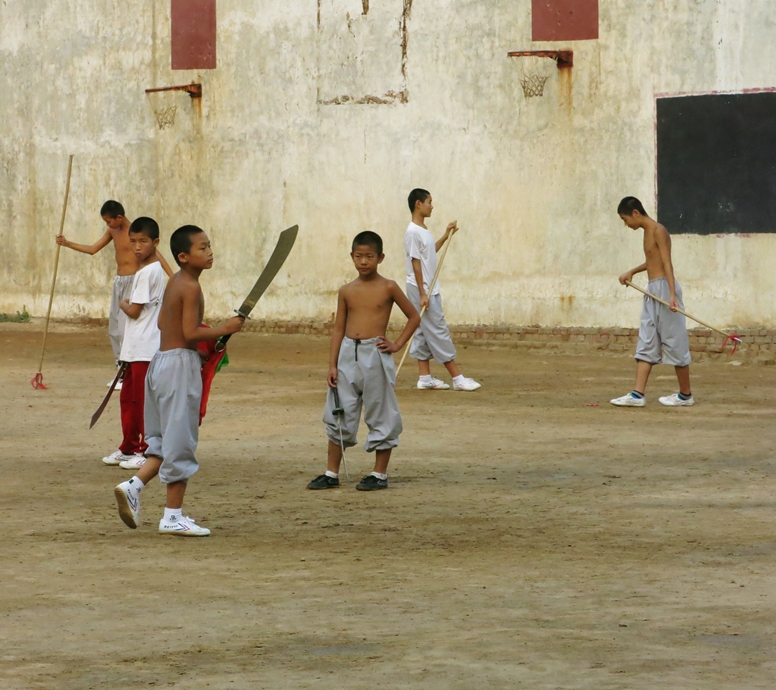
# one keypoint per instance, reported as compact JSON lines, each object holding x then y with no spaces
{"x":419,"y":244}
{"x":142,"y":335}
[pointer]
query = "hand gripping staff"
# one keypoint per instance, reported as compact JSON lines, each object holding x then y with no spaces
{"x":37,"y":380}
{"x":423,"y":310}
{"x":732,"y":337}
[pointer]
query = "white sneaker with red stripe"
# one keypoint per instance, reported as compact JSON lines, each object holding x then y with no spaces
{"x":182,"y":527}
{"x":128,"y":501}
{"x":116,"y":458}
{"x":135,"y":462}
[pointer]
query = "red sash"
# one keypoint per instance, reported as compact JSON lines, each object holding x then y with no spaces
{"x":209,"y":369}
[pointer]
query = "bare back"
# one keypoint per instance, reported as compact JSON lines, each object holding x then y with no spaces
{"x":654,"y":235}
{"x":368,"y":304}
{"x":183,"y":302}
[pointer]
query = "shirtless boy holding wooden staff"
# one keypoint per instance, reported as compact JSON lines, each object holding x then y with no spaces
{"x":663,"y":331}
{"x":112,"y":213}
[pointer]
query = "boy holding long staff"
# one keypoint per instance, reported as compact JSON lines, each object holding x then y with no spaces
{"x":663,"y":330}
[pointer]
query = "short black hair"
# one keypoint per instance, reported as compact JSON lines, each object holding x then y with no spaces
{"x":368,"y":239}
{"x":417,"y":195}
{"x":112,"y":209}
{"x":148,"y":226}
{"x":180,"y":240}
{"x":630,"y":204}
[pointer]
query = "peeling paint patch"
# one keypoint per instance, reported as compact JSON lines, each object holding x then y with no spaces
{"x":405,"y":17}
{"x":363,"y":59}
{"x":386,"y":99}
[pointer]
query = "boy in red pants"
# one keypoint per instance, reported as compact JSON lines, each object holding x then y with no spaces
{"x":141,"y":341}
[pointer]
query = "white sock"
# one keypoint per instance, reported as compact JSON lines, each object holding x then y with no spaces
{"x":459,"y":379}
{"x":331,"y":474}
{"x":380,"y":476}
{"x":136,"y":484}
{"x":173,"y":514}
{"x":425,"y":379}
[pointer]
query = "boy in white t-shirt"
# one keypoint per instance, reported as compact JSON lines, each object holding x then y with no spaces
{"x":141,"y":340}
{"x":432,"y":338}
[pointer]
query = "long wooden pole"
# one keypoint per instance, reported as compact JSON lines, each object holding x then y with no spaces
{"x":731,"y":336}
{"x":39,"y":376}
{"x":442,"y":255}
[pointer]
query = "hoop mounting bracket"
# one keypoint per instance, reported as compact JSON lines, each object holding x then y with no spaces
{"x":563,"y":58}
{"x":194,"y":90}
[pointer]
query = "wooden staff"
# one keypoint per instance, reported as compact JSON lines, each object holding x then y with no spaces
{"x":430,"y":290}
{"x":728,"y":336}
{"x":37,"y":380}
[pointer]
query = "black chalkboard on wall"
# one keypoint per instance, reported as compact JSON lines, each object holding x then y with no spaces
{"x":716,"y":163}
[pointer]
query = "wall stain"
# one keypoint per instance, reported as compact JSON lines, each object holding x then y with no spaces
{"x":405,"y":17}
{"x":388,"y":97}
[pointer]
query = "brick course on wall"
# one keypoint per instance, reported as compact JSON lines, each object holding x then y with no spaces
{"x":759,"y":344}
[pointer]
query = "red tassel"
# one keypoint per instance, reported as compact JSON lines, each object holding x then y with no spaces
{"x":733,"y":338}
{"x":37,"y":382}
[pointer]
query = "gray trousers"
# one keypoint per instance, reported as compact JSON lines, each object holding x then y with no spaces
{"x":662,"y":332}
{"x":432,"y":339}
{"x":173,"y":391}
{"x":365,"y":376}
{"x":117,"y":319}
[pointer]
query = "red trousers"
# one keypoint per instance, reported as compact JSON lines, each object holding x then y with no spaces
{"x":132,"y":399}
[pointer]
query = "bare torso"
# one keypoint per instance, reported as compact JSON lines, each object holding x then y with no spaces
{"x":655,"y":267}
{"x":181,"y":288}
{"x":369,"y":304}
{"x":126,"y":261}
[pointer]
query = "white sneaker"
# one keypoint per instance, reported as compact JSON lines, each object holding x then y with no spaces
{"x":116,"y":458}
{"x":674,"y":400}
{"x":466,"y":385}
{"x":128,"y":501}
{"x":434,"y":385}
{"x":118,"y":385}
{"x":183,"y":527}
{"x":135,"y":462}
{"x":629,"y":400}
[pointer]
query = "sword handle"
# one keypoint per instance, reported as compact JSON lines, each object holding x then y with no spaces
{"x":221,"y":343}
{"x":337,"y":411}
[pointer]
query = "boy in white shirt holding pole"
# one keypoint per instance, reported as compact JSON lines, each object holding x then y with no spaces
{"x":432,"y":339}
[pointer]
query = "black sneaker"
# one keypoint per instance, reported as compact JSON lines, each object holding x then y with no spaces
{"x":371,"y":483}
{"x":324,"y":481}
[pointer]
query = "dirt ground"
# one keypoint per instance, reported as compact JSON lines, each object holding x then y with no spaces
{"x":528,"y":538}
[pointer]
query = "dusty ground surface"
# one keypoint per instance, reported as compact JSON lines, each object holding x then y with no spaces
{"x":527,"y":539}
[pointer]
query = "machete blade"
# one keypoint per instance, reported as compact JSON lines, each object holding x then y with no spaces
{"x":105,"y":400}
{"x":275,"y":263}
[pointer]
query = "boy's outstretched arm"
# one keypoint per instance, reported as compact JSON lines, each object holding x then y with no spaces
{"x":413,"y":321}
{"x":663,"y":240}
{"x":337,"y":334}
{"x":165,"y":265}
{"x":628,"y":276}
{"x":190,"y":326}
{"x":86,"y":248}
{"x":452,"y":228}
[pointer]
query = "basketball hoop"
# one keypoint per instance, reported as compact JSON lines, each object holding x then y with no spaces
{"x":164,"y":102}
{"x":534,"y":68}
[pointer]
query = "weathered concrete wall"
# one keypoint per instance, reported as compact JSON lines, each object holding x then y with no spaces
{"x":323,"y":115}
